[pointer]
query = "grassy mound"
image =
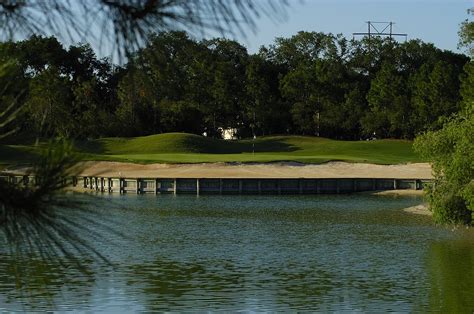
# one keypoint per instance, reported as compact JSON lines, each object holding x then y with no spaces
{"x":181,"y":143}
{"x":160,"y":143}
{"x":189,"y":148}
{"x":181,"y":147}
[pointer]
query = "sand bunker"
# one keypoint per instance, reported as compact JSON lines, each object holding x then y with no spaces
{"x":267,"y":170}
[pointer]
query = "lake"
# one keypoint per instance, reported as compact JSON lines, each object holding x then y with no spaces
{"x":353,"y":253}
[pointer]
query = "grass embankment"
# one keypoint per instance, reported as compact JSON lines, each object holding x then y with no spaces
{"x":188,"y":148}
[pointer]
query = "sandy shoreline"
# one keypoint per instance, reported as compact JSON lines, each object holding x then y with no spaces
{"x":419,"y":210}
{"x":258,"y":170}
{"x":399,"y":193}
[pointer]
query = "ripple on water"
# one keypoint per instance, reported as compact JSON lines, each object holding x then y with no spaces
{"x":261,"y":253}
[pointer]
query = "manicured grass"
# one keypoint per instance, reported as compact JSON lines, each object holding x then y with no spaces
{"x":185,"y":148}
{"x":188,"y":148}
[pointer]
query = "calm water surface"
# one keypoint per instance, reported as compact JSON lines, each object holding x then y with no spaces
{"x":257,"y":253}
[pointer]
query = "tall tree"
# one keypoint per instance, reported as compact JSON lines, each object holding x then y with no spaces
{"x":267,"y":113}
{"x":138,"y":112}
{"x":228,"y":88}
{"x":435,"y":94}
{"x":451,"y":151}
{"x":49,"y":104}
{"x":389,"y":104}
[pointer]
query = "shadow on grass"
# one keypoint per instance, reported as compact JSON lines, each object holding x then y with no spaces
{"x":16,"y":155}
{"x":182,"y":144}
{"x":91,"y":146}
{"x":215,"y":146}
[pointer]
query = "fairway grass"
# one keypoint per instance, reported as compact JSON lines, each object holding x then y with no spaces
{"x":188,"y":148}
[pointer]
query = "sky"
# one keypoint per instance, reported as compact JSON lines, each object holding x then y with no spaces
{"x":435,"y":21}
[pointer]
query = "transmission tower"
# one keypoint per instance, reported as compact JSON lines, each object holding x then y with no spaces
{"x":380,"y":29}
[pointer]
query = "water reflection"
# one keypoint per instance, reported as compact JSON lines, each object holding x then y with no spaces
{"x":38,"y":284}
{"x":450,"y":266}
{"x":256,"y":253}
{"x":227,"y":286}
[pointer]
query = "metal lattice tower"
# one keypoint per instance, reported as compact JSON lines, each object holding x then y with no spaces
{"x":380,"y":29}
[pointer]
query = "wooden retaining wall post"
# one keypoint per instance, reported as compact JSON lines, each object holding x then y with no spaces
{"x":251,"y":186}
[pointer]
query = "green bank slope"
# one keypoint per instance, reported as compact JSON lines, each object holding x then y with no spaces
{"x":188,"y":148}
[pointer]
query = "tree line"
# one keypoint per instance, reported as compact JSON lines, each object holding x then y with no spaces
{"x":311,"y":83}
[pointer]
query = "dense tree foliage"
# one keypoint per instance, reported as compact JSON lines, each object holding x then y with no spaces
{"x":311,"y":83}
{"x":451,"y":149}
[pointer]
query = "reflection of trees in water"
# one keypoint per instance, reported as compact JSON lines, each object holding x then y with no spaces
{"x":302,"y":288}
{"x":226,"y":285}
{"x":43,"y":282}
{"x":450,"y":267}
{"x":167,"y":284}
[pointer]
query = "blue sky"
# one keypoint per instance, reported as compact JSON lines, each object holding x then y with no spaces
{"x":435,"y":21}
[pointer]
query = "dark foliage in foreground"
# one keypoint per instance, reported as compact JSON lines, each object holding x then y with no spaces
{"x":56,"y":91}
{"x":39,"y":220}
{"x":36,"y":218}
{"x":125,"y":24}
